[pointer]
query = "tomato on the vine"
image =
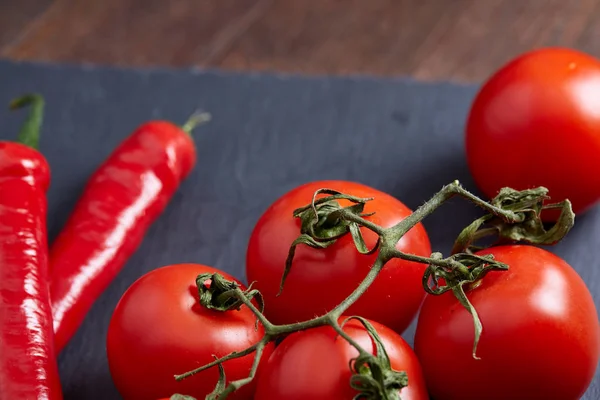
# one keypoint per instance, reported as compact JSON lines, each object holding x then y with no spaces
{"x":314,"y":364}
{"x":322,"y":278}
{"x":159,"y":329}
{"x":535,"y":122}
{"x":540,"y":339}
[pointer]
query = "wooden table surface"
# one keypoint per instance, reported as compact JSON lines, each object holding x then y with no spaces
{"x":461,"y":40}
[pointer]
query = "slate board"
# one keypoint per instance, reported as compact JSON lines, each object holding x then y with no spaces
{"x":269,"y":133}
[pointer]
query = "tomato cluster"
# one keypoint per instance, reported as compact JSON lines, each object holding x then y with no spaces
{"x":541,"y":335}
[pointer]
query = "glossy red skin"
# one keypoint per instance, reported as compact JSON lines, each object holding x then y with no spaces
{"x":28,"y":367}
{"x":321,"y":279}
{"x":159,"y":329}
{"x":313,"y":364}
{"x":535,"y":122}
{"x":119,"y":203}
{"x":533,"y":346}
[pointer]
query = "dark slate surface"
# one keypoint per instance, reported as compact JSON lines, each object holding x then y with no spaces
{"x":268,"y":134}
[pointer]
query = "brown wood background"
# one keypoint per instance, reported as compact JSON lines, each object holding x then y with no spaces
{"x":463,"y":40}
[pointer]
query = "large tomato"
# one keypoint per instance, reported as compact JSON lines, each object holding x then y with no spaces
{"x":321,"y":278}
{"x":540,"y":337}
{"x":314,"y":364}
{"x":159,"y":329}
{"x":535,"y":122}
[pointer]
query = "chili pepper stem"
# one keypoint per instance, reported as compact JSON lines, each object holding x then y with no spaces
{"x":456,"y":270}
{"x":30,"y":131}
{"x":196,"y":119}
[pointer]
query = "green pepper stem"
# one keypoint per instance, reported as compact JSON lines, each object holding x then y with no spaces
{"x":196,"y":119}
{"x":30,"y":131}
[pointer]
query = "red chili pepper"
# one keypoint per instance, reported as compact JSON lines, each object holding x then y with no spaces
{"x":28,"y":367}
{"x":119,"y":203}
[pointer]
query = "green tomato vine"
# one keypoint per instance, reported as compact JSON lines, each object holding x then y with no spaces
{"x":512,"y":216}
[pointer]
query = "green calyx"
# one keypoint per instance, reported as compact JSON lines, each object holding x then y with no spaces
{"x":30,"y":131}
{"x":458,"y":271}
{"x":220,"y":294}
{"x":373,"y":377}
{"x":324,"y":221}
{"x":527,"y":228}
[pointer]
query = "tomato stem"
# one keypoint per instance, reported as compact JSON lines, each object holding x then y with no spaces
{"x":235,"y":385}
{"x":512,"y":215}
{"x":373,"y":373}
{"x":244,"y":298}
{"x":340,"y":331}
{"x":221,"y":360}
{"x":362,"y":287}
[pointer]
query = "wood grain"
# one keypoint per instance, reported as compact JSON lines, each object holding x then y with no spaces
{"x":136,"y":32}
{"x":462,"y":40}
{"x":429,"y":39}
{"x":17,"y":16}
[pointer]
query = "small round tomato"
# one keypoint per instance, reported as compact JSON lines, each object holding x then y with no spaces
{"x":159,"y":329}
{"x":540,"y":340}
{"x":535,"y":122}
{"x":314,"y":364}
{"x":321,"y":278}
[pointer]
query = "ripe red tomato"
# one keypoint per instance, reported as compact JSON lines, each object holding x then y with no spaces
{"x":314,"y":364}
{"x":536,"y":122}
{"x":159,"y":329}
{"x":321,"y":278}
{"x":540,"y":340}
